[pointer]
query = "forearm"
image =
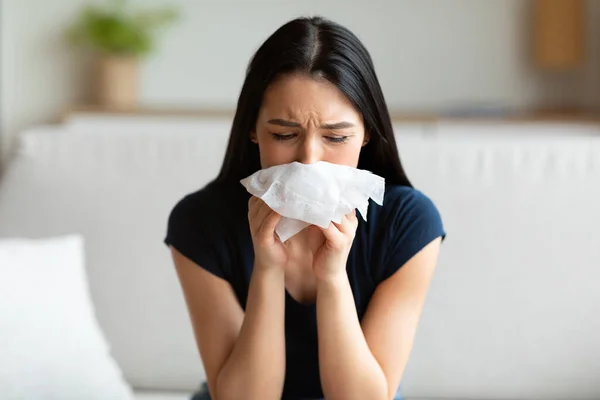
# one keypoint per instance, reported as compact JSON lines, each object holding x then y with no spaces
{"x":256,"y":367}
{"x":348,"y":368}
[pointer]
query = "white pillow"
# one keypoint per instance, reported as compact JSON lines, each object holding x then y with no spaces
{"x":51,"y":345}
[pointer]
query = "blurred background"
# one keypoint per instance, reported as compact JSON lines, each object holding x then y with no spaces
{"x":112,"y":111}
{"x":431,"y":56}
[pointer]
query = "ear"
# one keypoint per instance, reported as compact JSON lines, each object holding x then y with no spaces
{"x":367,"y":138}
{"x":253,"y":138}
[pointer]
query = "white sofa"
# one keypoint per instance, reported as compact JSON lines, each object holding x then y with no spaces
{"x":513,"y":311}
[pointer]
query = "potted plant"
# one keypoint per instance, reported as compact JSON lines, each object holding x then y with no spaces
{"x":120,"y":38}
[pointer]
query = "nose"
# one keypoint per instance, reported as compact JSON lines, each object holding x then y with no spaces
{"x":310,"y":150}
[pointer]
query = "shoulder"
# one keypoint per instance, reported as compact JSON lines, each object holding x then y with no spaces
{"x":407,"y":221}
{"x":404,"y":206}
{"x":209,"y":204}
{"x":203,"y":225}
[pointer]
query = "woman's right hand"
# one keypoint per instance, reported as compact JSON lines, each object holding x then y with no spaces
{"x":269,"y":251}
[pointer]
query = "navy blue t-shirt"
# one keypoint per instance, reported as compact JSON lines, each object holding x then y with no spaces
{"x":210,"y":227}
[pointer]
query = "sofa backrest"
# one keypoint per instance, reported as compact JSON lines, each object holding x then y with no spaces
{"x":513,"y":310}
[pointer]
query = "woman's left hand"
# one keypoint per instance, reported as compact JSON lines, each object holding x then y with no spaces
{"x":329,"y":260}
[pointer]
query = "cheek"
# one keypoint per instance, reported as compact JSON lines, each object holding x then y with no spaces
{"x":344,"y":155}
{"x":274,"y":153}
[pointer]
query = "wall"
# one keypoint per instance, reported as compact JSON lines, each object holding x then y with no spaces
{"x":429,"y":54}
{"x":39,"y":73}
{"x":3,"y":95}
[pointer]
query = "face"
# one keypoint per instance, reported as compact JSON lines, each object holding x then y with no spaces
{"x":307,"y":120}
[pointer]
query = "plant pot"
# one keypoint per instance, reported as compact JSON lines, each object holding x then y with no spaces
{"x":117,"y":81}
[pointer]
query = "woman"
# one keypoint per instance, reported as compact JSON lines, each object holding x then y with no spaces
{"x":332,"y":312}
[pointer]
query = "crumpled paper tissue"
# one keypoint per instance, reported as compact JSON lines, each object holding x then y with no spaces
{"x":317,"y":193}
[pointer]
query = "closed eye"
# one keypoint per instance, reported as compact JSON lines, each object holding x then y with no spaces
{"x":283,"y":136}
{"x":337,"y":139}
{"x":290,"y":136}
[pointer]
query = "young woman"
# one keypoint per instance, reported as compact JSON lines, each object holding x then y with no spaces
{"x":332,"y":312}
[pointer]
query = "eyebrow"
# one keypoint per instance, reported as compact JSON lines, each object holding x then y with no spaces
{"x":290,"y":124}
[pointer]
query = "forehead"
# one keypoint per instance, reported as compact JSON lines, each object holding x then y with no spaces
{"x":297,"y":97}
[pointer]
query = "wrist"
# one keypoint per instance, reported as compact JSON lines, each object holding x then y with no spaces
{"x":268,"y":280}
{"x":261,"y":264}
{"x":267,"y":270}
{"x":333,"y":280}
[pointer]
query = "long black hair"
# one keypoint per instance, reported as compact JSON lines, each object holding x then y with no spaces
{"x":322,"y":49}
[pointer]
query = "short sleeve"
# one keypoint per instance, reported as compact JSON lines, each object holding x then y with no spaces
{"x":189,"y":231}
{"x":412,"y":222}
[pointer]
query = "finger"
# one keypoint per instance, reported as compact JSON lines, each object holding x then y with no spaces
{"x":253,"y":207}
{"x":343,"y":226}
{"x":257,"y":221}
{"x":348,"y":224}
{"x":256,"y":215}
{"x":269,"y":224}
{"x":333,"y":235}
{"x":256,"y":206}
{"x":262,"y":212}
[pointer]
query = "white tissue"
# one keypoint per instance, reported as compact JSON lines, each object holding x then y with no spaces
{"x":318,"y":193}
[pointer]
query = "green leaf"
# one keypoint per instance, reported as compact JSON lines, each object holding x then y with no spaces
{"x":116,"y":31}
{"x":151,"y":20}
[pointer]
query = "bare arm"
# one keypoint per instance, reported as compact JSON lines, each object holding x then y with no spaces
{"x":256,"y":367}
{"x":243,"y":354}
{"x":392,"y":317}
{"x":348,"y":368}
{"x":368,"y":362}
